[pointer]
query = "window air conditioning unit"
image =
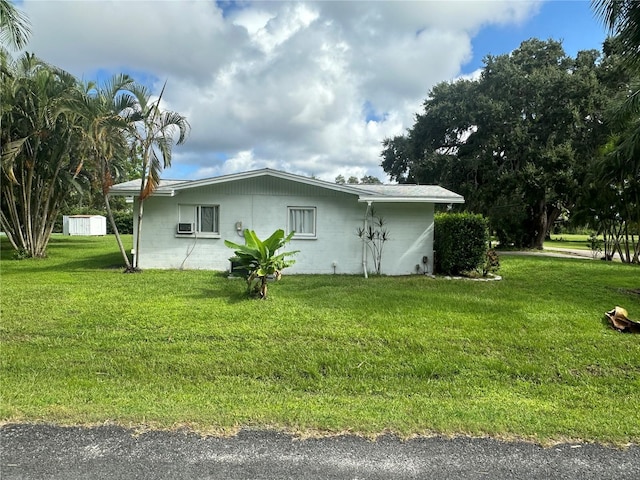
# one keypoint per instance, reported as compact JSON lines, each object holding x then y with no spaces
{"x":185,"y":228}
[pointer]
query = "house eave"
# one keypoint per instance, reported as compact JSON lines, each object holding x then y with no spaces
{"x":136,"y":192}
{"x":379,"y":199}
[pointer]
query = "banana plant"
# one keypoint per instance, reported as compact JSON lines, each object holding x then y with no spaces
{"x":260,"y":259}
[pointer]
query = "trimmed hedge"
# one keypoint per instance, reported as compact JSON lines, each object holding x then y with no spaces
{"x":460,"y":242}
{"x":124,"y":222}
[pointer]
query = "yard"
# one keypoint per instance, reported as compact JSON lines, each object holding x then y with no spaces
{"x":569,"y":240}
{"x":527,"y":357}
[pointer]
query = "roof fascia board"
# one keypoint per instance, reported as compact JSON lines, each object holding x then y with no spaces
{"x":136,"y":191}
{"x":411,"y":199}
{"x":165,"y":193}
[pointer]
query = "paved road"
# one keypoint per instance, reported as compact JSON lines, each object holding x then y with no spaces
{"x":45,"y":452}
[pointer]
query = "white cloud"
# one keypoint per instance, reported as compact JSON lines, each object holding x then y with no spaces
{"x":475,"y":75}
{"x":310,"y":88}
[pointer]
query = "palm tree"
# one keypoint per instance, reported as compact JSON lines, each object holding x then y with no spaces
{"x":622,"y":19}
{"x":619,"y":168}
{"x":154,"y":137}
{"x":14,"y":26}
{"x":40,"y":149}
{"x":109,"y":114}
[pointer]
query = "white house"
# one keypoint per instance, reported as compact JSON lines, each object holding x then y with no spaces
{"x":186,"y":222}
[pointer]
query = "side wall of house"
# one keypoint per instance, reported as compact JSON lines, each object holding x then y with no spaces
{"x":261,"y":204}
{"x":410,"y":228}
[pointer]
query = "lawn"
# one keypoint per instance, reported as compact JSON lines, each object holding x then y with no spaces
{"x":572,"y":241}
{"x":525,"y":357}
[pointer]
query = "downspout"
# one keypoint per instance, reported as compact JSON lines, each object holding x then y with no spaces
{"x":364,"y":243}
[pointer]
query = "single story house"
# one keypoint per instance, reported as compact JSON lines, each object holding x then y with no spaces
{"x":186,"y":222}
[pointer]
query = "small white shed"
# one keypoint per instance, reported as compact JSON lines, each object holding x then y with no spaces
{"x":84,"y":225}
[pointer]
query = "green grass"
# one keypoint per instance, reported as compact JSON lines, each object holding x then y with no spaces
{"x":526,"y":357}
{"x":571,"y":241}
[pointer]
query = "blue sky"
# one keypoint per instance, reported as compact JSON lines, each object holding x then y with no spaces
{"x":571,"y":21}
{"x":311,"y":88}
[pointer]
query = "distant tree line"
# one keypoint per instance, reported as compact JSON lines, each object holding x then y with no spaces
{"x":353,"y":180}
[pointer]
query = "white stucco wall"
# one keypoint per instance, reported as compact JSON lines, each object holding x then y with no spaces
{"x":261,"y":205}
{"x":410,"y":228}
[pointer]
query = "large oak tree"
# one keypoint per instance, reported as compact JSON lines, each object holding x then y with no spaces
{"x":516,"y":142}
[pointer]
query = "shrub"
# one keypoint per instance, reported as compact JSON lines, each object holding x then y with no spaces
{"x":595,"y":245}
{"x":375,"y":236}
{"x":491,"y":263}
{"x":460,"y":242}
{"x":259,"y":259}
{"x":124,"y":222}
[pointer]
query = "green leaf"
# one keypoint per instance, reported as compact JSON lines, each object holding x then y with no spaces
{"x":260,"y":257}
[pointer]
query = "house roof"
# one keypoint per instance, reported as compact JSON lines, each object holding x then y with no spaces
{"x":366,"y":193}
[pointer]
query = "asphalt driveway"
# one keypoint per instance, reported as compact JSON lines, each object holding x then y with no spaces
{"x":46,"y":452}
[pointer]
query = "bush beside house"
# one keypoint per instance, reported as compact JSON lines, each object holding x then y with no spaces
{"x":460,"y":242}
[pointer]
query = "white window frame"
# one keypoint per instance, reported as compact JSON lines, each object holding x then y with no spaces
{"x":303,"y":235}
{"x":192,"y":213}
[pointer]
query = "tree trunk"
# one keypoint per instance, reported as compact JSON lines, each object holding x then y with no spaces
{"x":617,"y":245}
{"x":552,"y":216}
{"x":26,"y":208}
{"x":627,"y":242}
{"x":605,"y":240}
{"x":263,"y":288}
{"x":541,"y":226}
{"x":11,"y":224}
{"x":143,"y":187}
{"x":112,"y":221}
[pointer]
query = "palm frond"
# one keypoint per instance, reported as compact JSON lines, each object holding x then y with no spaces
{"x":123,"y":103}
{"x":142,"y":96}
{"x":608,"y":11}
{"x":152,"y":179}
{"x":622,"y":19}
{"x":172,"y":120}
{"x":15,"y":27}
{"x":165,"y":145}
{"x":10,"y":151}
{"x":118,"y":83}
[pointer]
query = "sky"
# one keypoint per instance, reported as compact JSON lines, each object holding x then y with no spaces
{"x":311,"y":88}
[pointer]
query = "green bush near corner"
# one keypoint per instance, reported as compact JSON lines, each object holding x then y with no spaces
{"x":460,"y":242}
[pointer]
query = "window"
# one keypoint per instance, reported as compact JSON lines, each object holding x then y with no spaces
{"x":302,"y":221}
{"x":208,"y":219}
{"x":205,"y":218}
